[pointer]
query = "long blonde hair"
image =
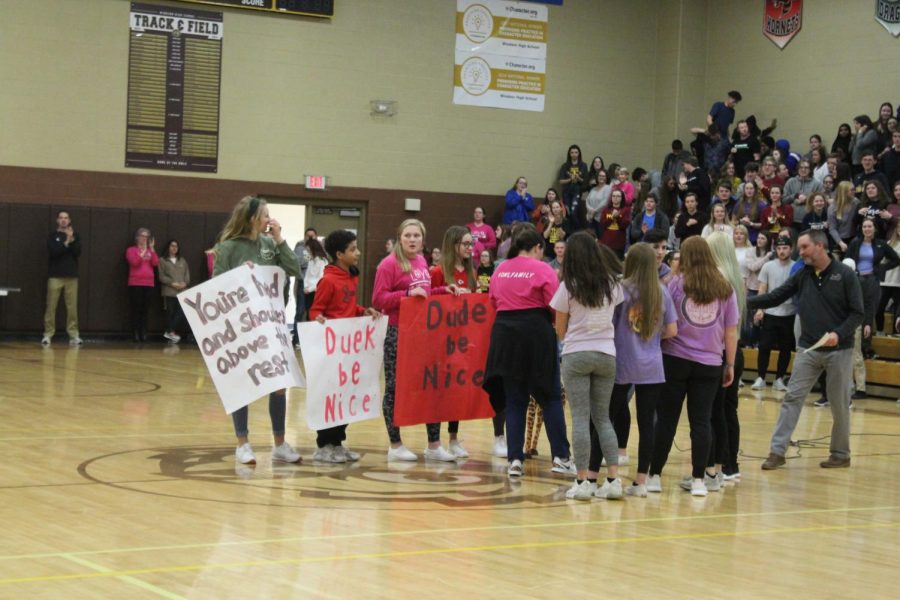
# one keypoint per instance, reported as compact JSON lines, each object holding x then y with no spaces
{"x":240,"y":224}
{"x":703,"y":282}
{"x":722,"y":247}
{"x":642,"y":279}
{"x":842,"y":199}
{"x":405,"y":265}
{"x":742,"y":229}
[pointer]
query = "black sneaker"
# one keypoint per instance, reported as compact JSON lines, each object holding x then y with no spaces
{"x":858,"y":395}
{"x":821,"y":402}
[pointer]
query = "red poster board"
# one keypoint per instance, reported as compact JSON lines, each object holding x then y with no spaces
{"x":441,"y":353}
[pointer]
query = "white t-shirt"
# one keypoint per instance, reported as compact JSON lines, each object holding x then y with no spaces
{"x":773,"y":274}
{"x":589,"y":329}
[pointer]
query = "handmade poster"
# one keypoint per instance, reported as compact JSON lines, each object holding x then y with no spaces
{"x":239,"y":323}
{"x":441,"y":354}
{"x":343,"y":360}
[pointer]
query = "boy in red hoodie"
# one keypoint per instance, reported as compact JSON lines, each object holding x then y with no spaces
{"x":336,"y":299}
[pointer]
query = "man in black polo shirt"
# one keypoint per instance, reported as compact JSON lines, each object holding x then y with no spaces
{"x":64,"y":246}
{"x":830,"y":308}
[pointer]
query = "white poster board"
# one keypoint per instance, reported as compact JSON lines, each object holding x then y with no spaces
{"x":239,"y":322}
{"x":343,"y":360}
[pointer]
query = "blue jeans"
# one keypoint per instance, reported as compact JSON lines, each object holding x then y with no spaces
{"x":517,"y":396}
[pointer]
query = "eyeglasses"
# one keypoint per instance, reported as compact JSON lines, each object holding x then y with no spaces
{"x":467,"y":244}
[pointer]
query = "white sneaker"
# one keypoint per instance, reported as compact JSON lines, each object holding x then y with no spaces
{"x":45,"y":341}
{"x":732,"y":477}
{"x":172,"y":337}
{"x":500,"y":446}
{"x":457,"y":450}
{"x":348,"y":454}
{"x":611,"y":490}
{"x":720,"y":478}
{"x":712,"y":483}
{"x":654,"y":484}
{"x":759,"y":384}
{"x":779,"y":385}
{"x":76,"y":341}
{"x":515,"y":468}
{"x":244,"y":454}
{"x":698,"y":488}
{"x":401,"y":453}
{"x":622,"y":461}
{"x":686,"y":483}
{"x":637,"y":489}
{"x":328,"y":454}
{"x":581,"y":491}
{"x":440,"y":453}
{"x":284,"y":453}
{"x":566,"y":467}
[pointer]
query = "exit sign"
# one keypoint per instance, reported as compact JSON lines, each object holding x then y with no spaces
{"x":315,"y":182}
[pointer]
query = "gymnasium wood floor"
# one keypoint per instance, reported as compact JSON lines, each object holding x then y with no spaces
{"x":119,"y":480}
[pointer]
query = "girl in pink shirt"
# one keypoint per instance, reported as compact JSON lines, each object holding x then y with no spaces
{"x":523,"y":359}
{"x":142,"y":259}
{"x":403,"y":273}
{"x":482,"y":233}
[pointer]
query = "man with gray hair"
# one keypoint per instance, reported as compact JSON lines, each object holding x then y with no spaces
{"x":830,"y":308}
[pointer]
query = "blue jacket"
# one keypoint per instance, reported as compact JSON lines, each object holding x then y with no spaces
{"x":517,"y":207}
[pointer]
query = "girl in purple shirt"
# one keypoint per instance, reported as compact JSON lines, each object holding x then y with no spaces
{"x":646,"y":316}
{"x":708,"y":317}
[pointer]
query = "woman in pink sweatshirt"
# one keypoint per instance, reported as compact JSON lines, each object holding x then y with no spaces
{"x":403,"y":273}
{"x":142,"y":259}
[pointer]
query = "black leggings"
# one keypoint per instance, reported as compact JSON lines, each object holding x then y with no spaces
{"x":499,"y":420}
{"x":140,"y":296}
{"x":888,"y":293}
{"x":699,"y":383}
{"x":646,"y":400}
{"x":725,"y":425}
{"x":777,"y":332}
{"x":333,"y":436}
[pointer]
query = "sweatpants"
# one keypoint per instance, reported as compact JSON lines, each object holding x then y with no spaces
{"x":700,"y":383}
{"x":589,"y":378}
{"x":807,"y":368}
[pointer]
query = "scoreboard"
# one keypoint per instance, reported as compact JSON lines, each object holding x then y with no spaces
{"x":307,"y":8}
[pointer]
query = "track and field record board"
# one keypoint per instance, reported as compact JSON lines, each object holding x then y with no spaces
{"x":303,"y":8}
{"x":174,"y":72}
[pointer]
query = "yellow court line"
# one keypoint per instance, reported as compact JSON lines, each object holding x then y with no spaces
{"x":447,"y":530}
{"x":432,"y":551}
{"x":126,"y":578}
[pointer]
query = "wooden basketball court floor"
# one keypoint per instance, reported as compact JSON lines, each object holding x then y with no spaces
{"x":119,"y":481}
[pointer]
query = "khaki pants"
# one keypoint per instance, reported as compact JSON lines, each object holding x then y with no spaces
{"x":859,"y":363}
{"x":55,"y":285}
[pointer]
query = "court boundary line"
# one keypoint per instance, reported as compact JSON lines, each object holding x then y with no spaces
{"x":445,"y":550}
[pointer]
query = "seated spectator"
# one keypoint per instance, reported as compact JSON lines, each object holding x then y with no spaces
{"x":748,"y":211}
{"x":841,"y":144}
{"x":519,"y":202}
{"x":482,"y":233}
{"x":868,"y":173}
{"x":725,"y":197}
{"x":615,"y":219}
{"x":718,"y":222}
{"x":623,"y":184}
{"x":559,"y":254}
{"x":798,"y":189}
{"x":650,"y":219}
{"x":777,"y":217}
{"x":691,"y":220}
{"x":695,"y":181}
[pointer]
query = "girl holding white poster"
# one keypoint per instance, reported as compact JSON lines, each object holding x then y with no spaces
{"x":252,"y":237}
{"x":403,"y":273}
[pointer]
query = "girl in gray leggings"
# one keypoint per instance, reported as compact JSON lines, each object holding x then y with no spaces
{"x":584,"y":305}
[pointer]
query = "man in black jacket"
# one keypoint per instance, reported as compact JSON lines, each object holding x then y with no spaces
{"x":64,"y":246}
{"x":830,"y":308}
{"x":696,"y":180}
